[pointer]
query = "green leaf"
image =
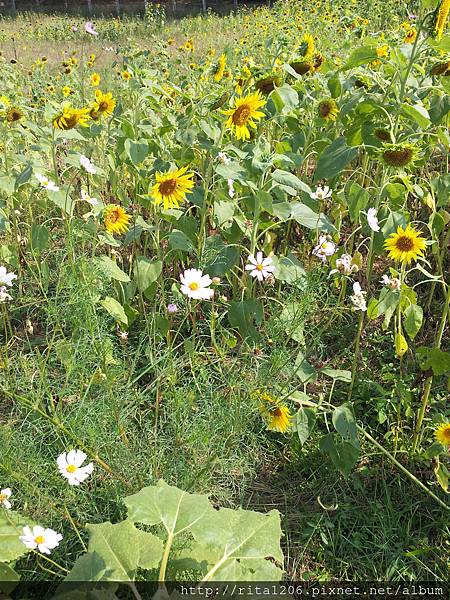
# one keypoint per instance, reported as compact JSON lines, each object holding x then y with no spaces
{"x":285,"y":99}
{"x":11,"y":525}
{"x":39,"y":237}
{"x":136,"y":151}
{"x":360,"y":56}
{"x":435,"y":359}
{"x":345,"y":424}
{"x":400,"y":344}
{"x":244,"y":315}
{"x":334,"y":159}
{"x":413,"y":320}
{"x":291,"y":180}
{"x":180,"y":241}
{"x":343,"y":454}
{"x":62,"y":200}
{"x":304,"y":371}
{"x":292,"y":317}
{"x":418,"y":113}
{"x":110,"y":268}
{"x":123,"y":548}
{"x":288,"y":269}
{"x":308,"y":218}
{"x":442,"y":475}
{"x":8,"y":579}
{"x":88,"y":567}
{"x":115,"y":309}
{"x":338,"y":374}
{"x":24,"y":176}
{"x":357,"y":201}
{"x":146,"y":272}
{"x":305,"y":420}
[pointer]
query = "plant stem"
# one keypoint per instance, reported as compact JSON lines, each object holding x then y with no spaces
{"x":356,"y":355}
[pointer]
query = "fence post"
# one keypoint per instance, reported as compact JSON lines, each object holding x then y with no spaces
{"x":89,"y":7}
{"x":204,"y":7}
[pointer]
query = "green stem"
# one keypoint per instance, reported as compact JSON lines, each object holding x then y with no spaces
{"x":356,"y":355}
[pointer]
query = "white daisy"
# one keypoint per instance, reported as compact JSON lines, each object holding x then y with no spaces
{"x":345,"y":265}
{"x":4,"y":296}
{"x":359,"y":302}
{"x":321,"y":193}
{"x":223,"y":158}
{"x":231,"y":191}
{"x":372,"y":219}
{"x":87,"y":165}
{"x":6,"y":278}
{"x":69,"y":464}
{"x":4,"y":498}
{"x":259,"y":267}
{"x":196,"y":285}
{"x":44,"y":540}
{"x":324,"y":248}
{"x":46,"y":183}
{"x":87,"y":198}
{"x":391,"y":282}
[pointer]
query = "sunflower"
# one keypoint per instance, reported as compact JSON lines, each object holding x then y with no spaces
{"x":307,"y":46}
{"x":66,"y":91}
{"x":442,"y":434}
{"x":171,"y":187}
{"x":410,"y":36}
{"x":70,"y":117}
{"x":220,"y":68}
{"x":302,"y":67}
{"x":219,"y":102}
{"x":244,"y":113}
{"x":441,"y":18}
{"x":115,"y":219}
{"x":13,"y":115}
{"x":104,"y":104}
{"x":318,"y":61}
{"x":95,"y":79}
{"x":126,"y":75}
{"x":382,"y":134}
{"x":267,"y":82}
{"x":398,"y":155}
{"x":442,"y":68}
{"x":276,"y":415}
{"x":405,"y":245}
{"x":328,"y":109}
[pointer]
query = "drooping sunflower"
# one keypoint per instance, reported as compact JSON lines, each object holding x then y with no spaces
{"x":328,"y":109}
{"x":301,"y":66}
{"x":13,"y":115}
{"x":267,"y":82}
{"x":70,"y":117}
{"x":220,"y":68}
{"x":383,"y":134}
{"x":307,"y":46}
{"x":275,"y":413}
{"x":318,"y":61}
{"x":442,"y":68}
{"x":243,"y":114}
{"x":171,"y":187}
{"x":115,"y":219}
{"x":398,"y":155}
{"x":442,"y":434}
{"x":104,"y":104}
{"x":405,"y":245}
{"x":441,"y":18}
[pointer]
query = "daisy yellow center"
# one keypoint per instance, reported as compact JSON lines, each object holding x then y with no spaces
{"x":71,"y":468}
{"x":168,"y":187}
{"x":45,"y":182}
{"x":259,"y":267}
{"x":3,"y":497}
{"x":405,"y":243}
{"x":241,"y":115}
{"x":39,"y":539}
{"x":193,"y":286}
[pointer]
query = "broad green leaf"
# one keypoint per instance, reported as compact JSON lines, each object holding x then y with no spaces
{"x":115,"y":309}
{"x":304,"y":371}
{"x":334,"y":159}
{"x":343,"y":454}
{"x":111,"y":269}
{"x":418,"y":113}
{"x":401,"y":345}
{"x":244,"y":315}
{"x":238,"y":545}
{"x":413,"y":320}
{"x":308,"y":218}
{"x":435,"y":359}
{"x":292,"y":317}
{"x":123,"y":549}
{"x":360,"y":56}
{"x":220,"y":258}
{"x":62,"y":200}
{"x":146,"y":272}
{"x":39,"y":237}
{"x":357,"y":201}
{"x":345,"y":424}
{"x":24,"y":176}
{"x":89,"y":567}
{"x":442,"y":475}
{"x":291,"y":180}
{"x":7,"y":185}
{"x":285,"y":99}
{"x":11,"y":525}
{"x":180,"y":241}
{"x":8,"y":579}
{"x":136,"y":151}
{"x":338,"y":374}
{"x":288,"y":269}
{"x":305,"y":420}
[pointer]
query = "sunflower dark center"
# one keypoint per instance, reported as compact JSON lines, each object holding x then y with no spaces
{"x":405,"y":243}
{"x":446,"y":433}
{"x":113,"y":216}
{"x":168,"y":187}
{"x":103,"y":106}
{"x":277,"y":412}
{"x":325,"y":109}
{"x":398,"y":158}
{"x":241,"y":115}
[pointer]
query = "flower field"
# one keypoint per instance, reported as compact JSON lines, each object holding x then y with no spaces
{"x":224,"y":289}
